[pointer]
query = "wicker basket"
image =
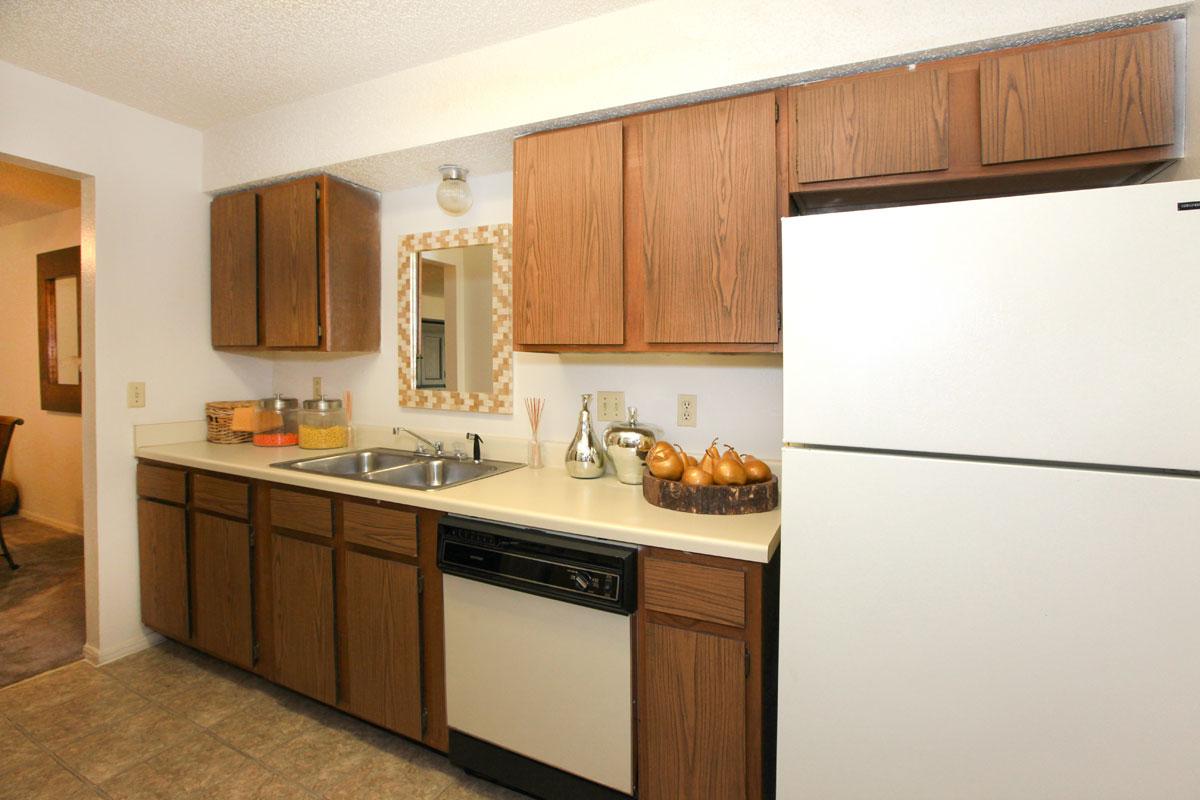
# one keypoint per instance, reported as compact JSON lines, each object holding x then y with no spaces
{"x":220,"y":418}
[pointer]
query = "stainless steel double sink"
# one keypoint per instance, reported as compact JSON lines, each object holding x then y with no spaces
{"x":403,"y":468}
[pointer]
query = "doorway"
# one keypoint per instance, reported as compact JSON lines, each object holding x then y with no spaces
{"x":42,"y":600}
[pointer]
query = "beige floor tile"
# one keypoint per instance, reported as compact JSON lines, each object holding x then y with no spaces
{"x":116,"y":747}
{"x":15,"y":747}
{"x":209,"y":698}
{"x":168,"y":669}
{"x":81,"y":713}
{"x":255,"y":782}
{"x":465,"y":787}
{"x":271,"y":718}
{"x":321,"y":759}
{"x":51,"y":688}
{"x":41,"y":778}
{"x":191,"y":769}
{"x":396,"y":768}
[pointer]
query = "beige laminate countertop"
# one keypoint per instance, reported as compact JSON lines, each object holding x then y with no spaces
{"x":547,"y":498}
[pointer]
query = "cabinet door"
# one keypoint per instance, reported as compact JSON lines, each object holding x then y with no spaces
{"x":709,"y":223}
{"x":162,"y":564}
{"x":221,"y":573}
{"x":568,"y":265}
{"x":1110,"y":93}
{"x":303,"y":617}
{"x":875,"y":125}
{"x":383,"y":633}
{"x":290,"y":301}
{"x":234,"y":255}
{"x":693,"y":715}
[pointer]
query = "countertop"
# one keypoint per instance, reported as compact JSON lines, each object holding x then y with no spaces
{"x":546,"y":498}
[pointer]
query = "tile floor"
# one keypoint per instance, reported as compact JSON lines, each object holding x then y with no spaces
{"x":172,"y":723}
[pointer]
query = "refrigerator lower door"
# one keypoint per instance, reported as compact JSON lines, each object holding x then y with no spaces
{"x":956,"y":629}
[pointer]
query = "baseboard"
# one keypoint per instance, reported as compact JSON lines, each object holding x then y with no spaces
{"x":51,"y":521}
{"x":98,"y":658}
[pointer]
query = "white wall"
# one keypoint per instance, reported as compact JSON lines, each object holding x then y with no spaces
{"x":642,"y":54}
{"x":46,"y":456}
{"x":145,"y":308}
{"x":739,"y":397}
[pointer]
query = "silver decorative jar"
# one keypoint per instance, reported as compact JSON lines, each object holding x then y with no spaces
{"x":584,"y":458}
{"x":627,"y":445}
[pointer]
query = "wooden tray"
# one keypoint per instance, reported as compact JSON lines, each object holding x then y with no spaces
{"x":752,"y":498}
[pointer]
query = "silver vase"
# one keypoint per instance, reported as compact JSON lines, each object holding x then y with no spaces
{"x":584,"y":458}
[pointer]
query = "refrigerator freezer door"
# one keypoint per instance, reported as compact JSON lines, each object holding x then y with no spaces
{"x":958,"y":629}
{"x":1057,"y":327}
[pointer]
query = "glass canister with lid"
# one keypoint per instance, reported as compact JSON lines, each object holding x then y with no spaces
{"x":323,"y":425}
{"x":275,"y":423}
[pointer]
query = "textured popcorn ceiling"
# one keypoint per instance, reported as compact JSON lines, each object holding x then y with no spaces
{"x":200,"y":63}
{"x":29,"y":193}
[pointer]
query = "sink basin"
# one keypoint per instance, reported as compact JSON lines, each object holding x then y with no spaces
{"x":401,"y":468}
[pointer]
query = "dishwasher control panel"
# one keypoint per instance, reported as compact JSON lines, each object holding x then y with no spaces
{"x":562,"y":567}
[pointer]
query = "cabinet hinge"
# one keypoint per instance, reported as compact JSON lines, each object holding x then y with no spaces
{"x":424,"y":721}
{"x":319,"y":185}
{"x":320,"y":330}
{"x":420,"y":584}
{"x":747,"y":662}
{"x":779,"y":320}
{"x":256,"y":652}
{"x":777,"y":111}
{"x":252,"y":537}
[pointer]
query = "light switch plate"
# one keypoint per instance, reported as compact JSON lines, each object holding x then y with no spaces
{"x":135,"y":395}
{"x":610,"y":406}
{"x":686,"y":414}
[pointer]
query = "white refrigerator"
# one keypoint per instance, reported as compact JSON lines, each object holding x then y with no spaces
{"x":990,"y":553}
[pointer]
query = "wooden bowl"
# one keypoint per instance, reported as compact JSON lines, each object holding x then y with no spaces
{"x":752,"y":498}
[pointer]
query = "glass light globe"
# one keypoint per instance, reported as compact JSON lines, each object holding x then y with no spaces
{"x":453,"y":193}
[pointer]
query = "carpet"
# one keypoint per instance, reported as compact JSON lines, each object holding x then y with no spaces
{"x":41,"y":604}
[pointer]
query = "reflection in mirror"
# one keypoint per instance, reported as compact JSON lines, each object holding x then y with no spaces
{"x":454,"y":317}
{"x":66,"y":324}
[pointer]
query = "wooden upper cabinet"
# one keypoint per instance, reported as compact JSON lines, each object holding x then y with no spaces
{"x":707,"y":213}
{"x":235,"y":270}
{"x":1110,"y":93}
{"x":290,"y":278}
{"x":875,"y":125}
{"x":296,"y":266}
{"x":567,"y":242}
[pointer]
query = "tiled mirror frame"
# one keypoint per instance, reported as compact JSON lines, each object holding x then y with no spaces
{"x":500,"y":399}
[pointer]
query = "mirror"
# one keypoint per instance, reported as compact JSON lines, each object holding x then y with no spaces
{"x":455,"y":320}
{"x":59,"y":340}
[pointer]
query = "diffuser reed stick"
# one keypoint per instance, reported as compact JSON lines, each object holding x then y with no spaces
{"x":533,"y":407}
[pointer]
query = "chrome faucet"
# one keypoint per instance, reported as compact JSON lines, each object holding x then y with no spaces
{"x":435,"y":447}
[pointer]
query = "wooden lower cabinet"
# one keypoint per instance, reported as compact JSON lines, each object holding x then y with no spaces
{"x":221,"y":588}
{"x":693,"y":715}
{"x":303,"y":617}
{"x":382,"y":678}
{"x":163,"y":561}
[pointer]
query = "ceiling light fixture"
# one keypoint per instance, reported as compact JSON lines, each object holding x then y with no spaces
{"x":453,"y":193}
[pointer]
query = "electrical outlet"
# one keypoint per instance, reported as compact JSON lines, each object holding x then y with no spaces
{"x":316,"y":388}
{"x":135,"y":395}
{"x":610,"y":406}
{"x":686,"y":413}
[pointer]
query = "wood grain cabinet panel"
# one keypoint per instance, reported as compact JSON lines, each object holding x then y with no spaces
{"x":693,"y":716}
{"x":162,"y":483}
{"x":221,"y":588}
{"x":234,"y":232}
{"x":290,"y":308}
{"x":303,"y":617}
{"x":221,"y":495}
{"x":299,"y":511}
{"x":383,"y":528}
{"x":567,"y":236}
{"x":697,"y":591}
{"x":383,"y":632}
{"x":162,"y":564}
{"x":709,"y":222}
{"x":1110,"y":93}
{"x":873,"y":125}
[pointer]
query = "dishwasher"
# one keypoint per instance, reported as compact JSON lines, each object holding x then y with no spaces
{"x":539,"y":658}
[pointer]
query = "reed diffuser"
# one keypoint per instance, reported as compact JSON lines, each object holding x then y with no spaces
{"x":533,"y":407}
